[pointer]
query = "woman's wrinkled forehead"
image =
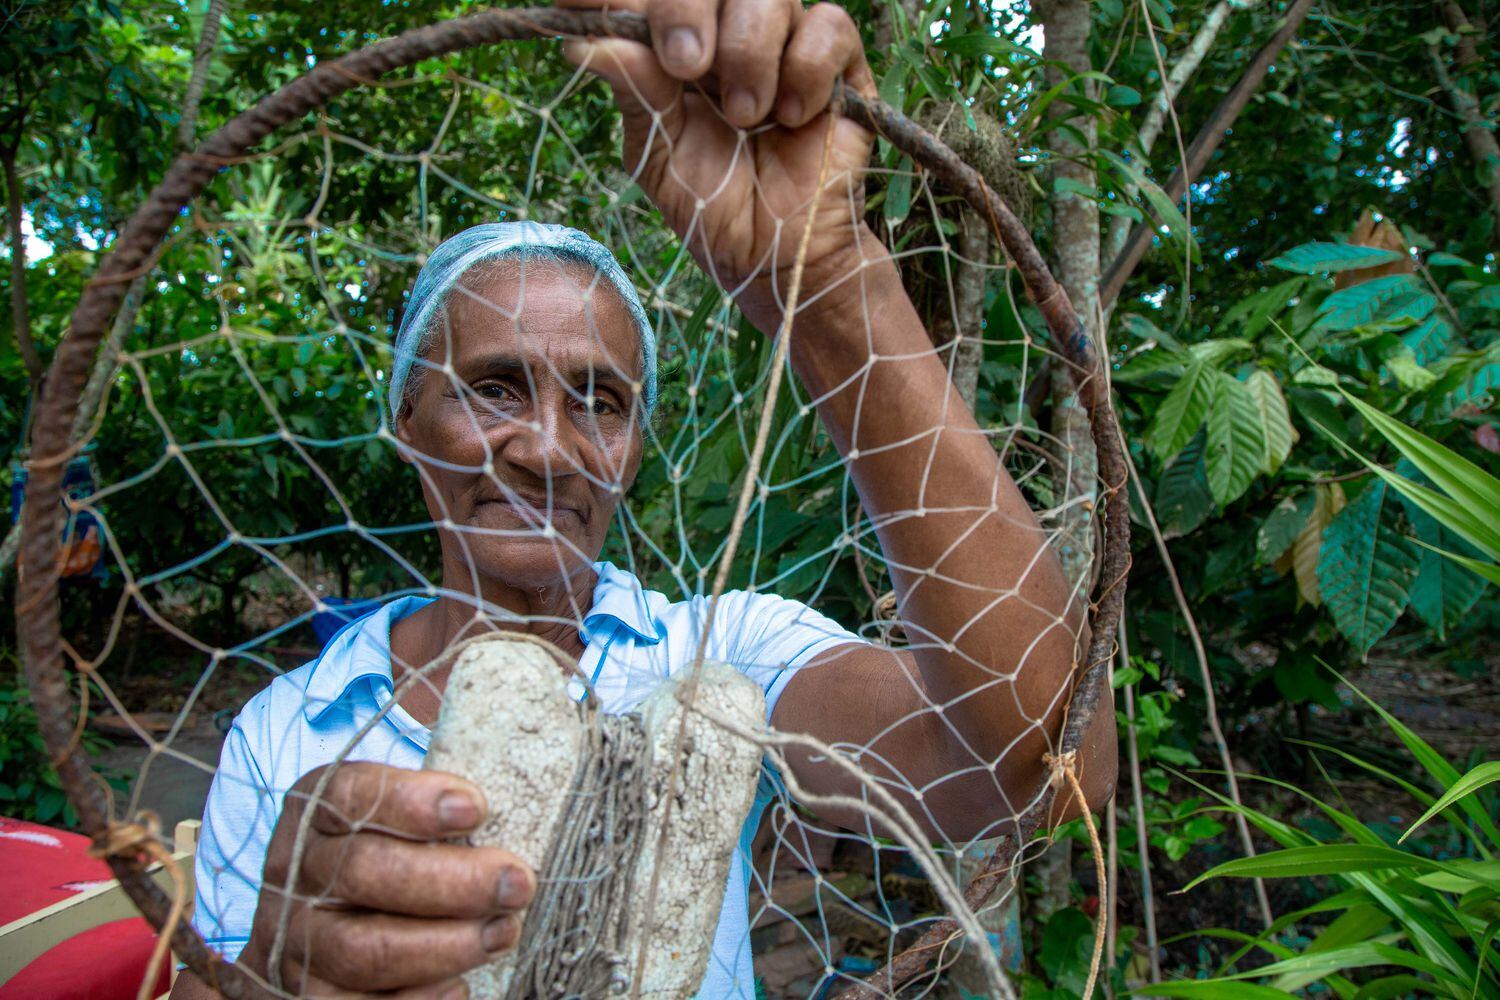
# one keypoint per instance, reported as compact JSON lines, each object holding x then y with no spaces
{"x":519,"y":242}
{"x":545,"y":315}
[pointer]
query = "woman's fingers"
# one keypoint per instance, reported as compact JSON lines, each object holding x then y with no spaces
{"x":752,"y":34}
{"x":825,"y":46}
{"x":360,"y":795}
{"x":376,"y":872}
{"x":650,"y":101}
{"x":359,"y":950}
{"x":685,"y":35}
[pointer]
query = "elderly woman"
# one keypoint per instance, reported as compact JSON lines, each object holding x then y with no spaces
{"x":525,"y":370}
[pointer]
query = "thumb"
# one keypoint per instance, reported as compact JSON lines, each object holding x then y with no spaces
{"x":649,"y":100}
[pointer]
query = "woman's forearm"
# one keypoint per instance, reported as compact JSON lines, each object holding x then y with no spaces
{"x":982,"y":595}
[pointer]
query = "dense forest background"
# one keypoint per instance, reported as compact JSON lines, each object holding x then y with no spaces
{"x":1335,"y":235}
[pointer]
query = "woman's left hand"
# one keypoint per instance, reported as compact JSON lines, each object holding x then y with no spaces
{"x":762,"y":71}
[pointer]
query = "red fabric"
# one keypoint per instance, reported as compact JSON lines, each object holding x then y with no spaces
{"x":43,"y":866}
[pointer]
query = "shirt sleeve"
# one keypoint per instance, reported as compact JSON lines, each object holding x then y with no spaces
{"x":237,"y":824}
{"x":769,"y":637}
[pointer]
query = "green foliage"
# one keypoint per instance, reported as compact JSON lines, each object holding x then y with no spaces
{"x":1237,"y":440}
{"x":1367,"y":567}
{"x":1323,"y":258}
{"x":1410,"y":915}
{"x":29,"y":786}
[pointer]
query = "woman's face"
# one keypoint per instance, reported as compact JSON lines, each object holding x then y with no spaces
{"x":523,"y":423}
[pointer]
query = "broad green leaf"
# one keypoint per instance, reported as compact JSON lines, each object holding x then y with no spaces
{"x":1295,"y":973}
{"x":1211,"y":989}
{"x":898,"y":194}
{"x":1359,"y":304}
{"x":1302,"y":559}
{"x":1485,"y":774}
{"x":1409,"y":375}
{"x":1490,"y":571}
{"x":1411,"y":308}
{"x":1478,"y":389}
{"x":1391,"y":987}
{"x":1319,"y":859}
{"x":1322,"y":258}
{"x":1444,"y":590}
{"x":1183,"y":500}
{"x":1071,"y":186}
{"x":1219,"y":350}
{"x":985,"y":43}
{"x":1165,"y":208}
{"x":1487,"y":297}
{"x":1275,"y":419}
{"x":1181,"y":413}
{"x":1473,"y":490}
{"x":1236,"y":451}
{"x":1121,"y":96}
{"x":1436,"y":765}
{"x":1280,"y":529}
{"x":1429,"y":339}
{"x":1256,"y":310}
{"x":1466,"y":876}
{"x":1366,"y":567}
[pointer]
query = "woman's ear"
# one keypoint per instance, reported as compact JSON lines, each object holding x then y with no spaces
{"x":401,"y":429}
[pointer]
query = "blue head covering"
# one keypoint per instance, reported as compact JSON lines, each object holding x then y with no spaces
{"x":455,"y":256}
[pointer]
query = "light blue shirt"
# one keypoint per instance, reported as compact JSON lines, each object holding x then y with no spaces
{"x":634,"y":639}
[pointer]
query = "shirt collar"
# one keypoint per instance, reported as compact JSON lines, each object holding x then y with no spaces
{"x":361,"y":650}
{"x":620,"y":600}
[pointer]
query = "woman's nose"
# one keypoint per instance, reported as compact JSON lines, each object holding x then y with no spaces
{"x":546,"y":445}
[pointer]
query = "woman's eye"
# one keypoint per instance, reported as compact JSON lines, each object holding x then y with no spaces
{"x":495,"y":391}
{"x":599,"y":406}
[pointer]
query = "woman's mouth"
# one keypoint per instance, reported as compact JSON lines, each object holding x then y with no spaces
{"x":532,"y":513}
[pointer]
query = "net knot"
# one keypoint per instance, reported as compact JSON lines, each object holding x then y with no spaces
{"x":1060,"y":765}
{"x":129,"y":840}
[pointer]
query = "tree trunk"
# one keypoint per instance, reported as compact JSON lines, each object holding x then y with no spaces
{"x":1479,"y":133}
{"x":20,"y":313}
{"x":961,"y":322}
{"x":1075,"y":252}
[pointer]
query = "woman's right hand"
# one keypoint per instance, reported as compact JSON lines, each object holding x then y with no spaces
{"x":382,"y":901}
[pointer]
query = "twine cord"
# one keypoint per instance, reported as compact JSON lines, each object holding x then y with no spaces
{"x":131,"y":841}
{"x":575,"y":933}
{"x":1064,"y":770}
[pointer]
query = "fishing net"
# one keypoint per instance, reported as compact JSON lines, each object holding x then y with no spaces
{"x":275,"y":505}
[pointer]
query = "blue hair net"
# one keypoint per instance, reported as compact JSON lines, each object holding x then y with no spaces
{"x":455,"y":256}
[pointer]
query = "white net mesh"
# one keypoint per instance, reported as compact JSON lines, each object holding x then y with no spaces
{"x":278,"y":489}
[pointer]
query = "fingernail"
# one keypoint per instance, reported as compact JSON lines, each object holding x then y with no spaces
{"x":514,"y":889}
{"x":791,"y":109}
{"x":739,"y":105}
{"x":458,"y":991}
{"x":683,"y":47}
{"x":499,"y":934}
{"x":458,"y":811}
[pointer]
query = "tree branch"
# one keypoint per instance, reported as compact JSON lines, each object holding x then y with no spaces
{"x":1479,"y":133}
{"x":1203,"y":146}
{"x":203,"y":57}
{"x":20,"y":312}
{"x":1156,"y":117}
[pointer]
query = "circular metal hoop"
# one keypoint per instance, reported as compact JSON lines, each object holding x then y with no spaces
{"x":37,"y":599}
